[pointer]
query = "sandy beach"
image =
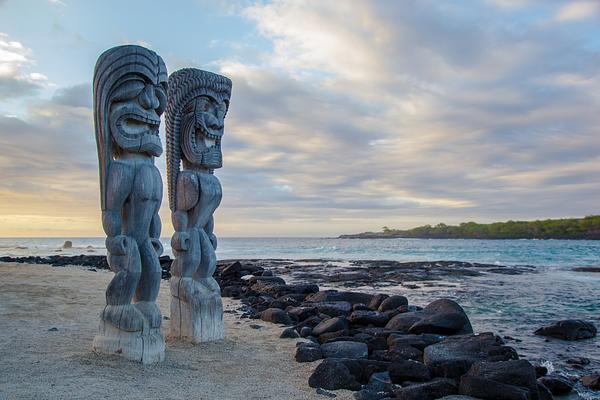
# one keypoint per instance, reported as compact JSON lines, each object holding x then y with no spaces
{"x":49,"y":316}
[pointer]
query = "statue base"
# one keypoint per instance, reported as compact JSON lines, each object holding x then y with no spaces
{"x":199,"y":320}
{"x":147,"y":346}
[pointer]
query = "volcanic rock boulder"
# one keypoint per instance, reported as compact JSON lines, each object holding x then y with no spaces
{"x":402,"y":371}
{"x":345,"y":349}
{"x":556,"y":384}
{"x":453,"y":356}
{"x":308,"y":352}
{"x":444,"y":317}
{"x":334,"y":374}
{"x":591,"y":381}
{"x":330,"y":325}
{"x":334,"y":295}
{"x":514,"y":379}
{"x":431,"y":390}
{"x":276,"y":316}
{"x":392,"y":303}
{"x":570,"y":329}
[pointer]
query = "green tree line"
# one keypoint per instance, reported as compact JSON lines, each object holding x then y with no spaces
{"x":568,"y":228}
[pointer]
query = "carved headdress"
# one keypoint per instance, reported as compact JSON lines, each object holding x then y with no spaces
{"x":185,"y":86}
{"x":113,"y":68}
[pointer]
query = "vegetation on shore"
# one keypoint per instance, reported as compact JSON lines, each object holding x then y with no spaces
{"x":568,"y":228}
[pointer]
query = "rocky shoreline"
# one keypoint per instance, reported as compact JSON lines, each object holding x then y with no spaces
{"x":379,"y":345}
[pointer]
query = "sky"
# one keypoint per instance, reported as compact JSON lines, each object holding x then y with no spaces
{"x":345,"y":116}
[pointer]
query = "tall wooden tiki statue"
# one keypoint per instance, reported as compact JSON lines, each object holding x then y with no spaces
{"x":130,"y":88}
{"x":198,"y":102}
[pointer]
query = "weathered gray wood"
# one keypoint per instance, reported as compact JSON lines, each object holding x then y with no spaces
{"x":130,"y":84}
{"x":198,"y":102}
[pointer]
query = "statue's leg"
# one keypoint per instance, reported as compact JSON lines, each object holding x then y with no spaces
{"x":183,"y":268}
{"x":147,"y":290}
{"x":183,"y":287}
{"x":125,"y":330}
{"x":119,"y":311}
{"x":208,"y":323}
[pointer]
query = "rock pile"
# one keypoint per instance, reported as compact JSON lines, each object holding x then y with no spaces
{"x":382,"y":347}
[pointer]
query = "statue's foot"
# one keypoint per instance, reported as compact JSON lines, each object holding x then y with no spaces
{"x":151,"y":311}
{"x":146,"y":346}
{"x":197,"y":312}
{"x":125,"y":317}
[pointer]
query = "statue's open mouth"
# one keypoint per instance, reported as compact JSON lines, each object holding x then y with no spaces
{"x":132,"y":126}
{"x":204,"y":141}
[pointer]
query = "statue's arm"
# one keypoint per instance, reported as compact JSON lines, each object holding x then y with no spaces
{"x":209,"y":228}
{"x":118,"y":187}
{"x":155,"y":223}
{"x":188,"y":192}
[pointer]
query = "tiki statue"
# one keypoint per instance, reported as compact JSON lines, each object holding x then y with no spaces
{"x":198,"y":102}
{"x":130,"y":85}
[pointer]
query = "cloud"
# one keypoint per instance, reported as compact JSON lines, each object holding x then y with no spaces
{"x":378,"y":114}
{"x":578,"y":10}
{"x":356,"y":115}
{"x":14,"y":80}
{"x":74,"y":96}
{"x":49,"y":169}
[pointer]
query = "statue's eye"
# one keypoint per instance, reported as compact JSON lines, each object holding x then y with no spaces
{"x":224,"y":107}
{"x":203,"y":104}
{"x":128,"y":90}
{"x":162,"y":99}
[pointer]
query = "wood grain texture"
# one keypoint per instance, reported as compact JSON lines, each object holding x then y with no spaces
{"x":198,"y":103}
{"x":129,"y":96}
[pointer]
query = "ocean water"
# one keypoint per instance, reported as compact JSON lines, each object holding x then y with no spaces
{"x":543,"y":253}
{"x":511,"y":305}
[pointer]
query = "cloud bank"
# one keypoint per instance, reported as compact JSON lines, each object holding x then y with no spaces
{"x":358,"y":115}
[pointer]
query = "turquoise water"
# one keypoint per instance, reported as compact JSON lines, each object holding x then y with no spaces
{"x":511,"y":305}
{"x":543,"y":253}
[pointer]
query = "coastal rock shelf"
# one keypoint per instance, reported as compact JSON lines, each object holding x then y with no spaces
{"x":382,"y":347}
{"x":381,"y":273}
{"x":354,"y":273}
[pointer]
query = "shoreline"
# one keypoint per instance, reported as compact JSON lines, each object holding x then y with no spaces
{"x":300,"y":274}
{"x":50,"y":315}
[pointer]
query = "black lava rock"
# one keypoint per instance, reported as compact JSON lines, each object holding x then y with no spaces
{"x":308,"y":352}
{"x":453,"y":356}
{"x":289,"y":333}
{"x":407,"y":370}
{"x":558,"y":385}
{"x":333,"y":374}
{"x":345,"y":349}
{"x":570,"y":329}
{"x":392,"y":303}
{"x":514,"y":377}
{"x":276,"y":316}
{"x":330,"y":325}
{"x":431,"y":390}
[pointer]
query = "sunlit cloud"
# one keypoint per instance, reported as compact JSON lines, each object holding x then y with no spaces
{"x":578,"y":10}
{"x":14,"y":80}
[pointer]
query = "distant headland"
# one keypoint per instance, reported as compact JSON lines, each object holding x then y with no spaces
{"x":567,"y":228}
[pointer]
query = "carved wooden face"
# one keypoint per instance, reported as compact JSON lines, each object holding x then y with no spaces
{"x":203,"y":123}
{"x":134,"y":114}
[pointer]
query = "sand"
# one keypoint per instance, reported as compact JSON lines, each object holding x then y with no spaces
{"x":39,"y":363}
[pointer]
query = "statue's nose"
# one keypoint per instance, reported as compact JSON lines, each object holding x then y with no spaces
{"x":148,"y":98}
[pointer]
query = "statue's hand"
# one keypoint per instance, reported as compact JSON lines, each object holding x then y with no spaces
{"x":180,"y":241}
{"x":213,"y":240}
{"x":117,"y":245}
{"x":212,"y":158}
{"x":158,"y":247}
